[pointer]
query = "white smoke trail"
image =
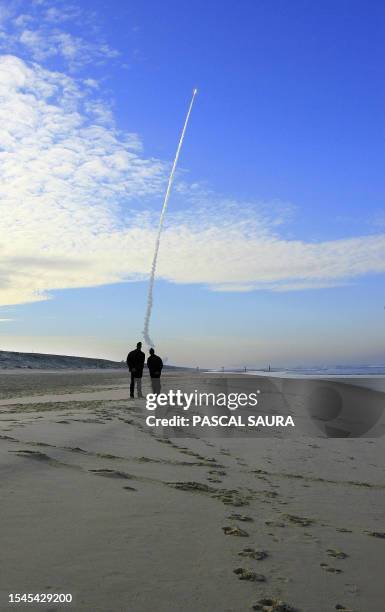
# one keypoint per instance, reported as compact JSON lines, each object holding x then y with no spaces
{"x":147,"y":317}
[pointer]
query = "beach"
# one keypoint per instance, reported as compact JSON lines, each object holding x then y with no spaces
{"x":127,"y":518}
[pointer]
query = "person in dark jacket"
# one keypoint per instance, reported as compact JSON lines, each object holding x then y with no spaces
{"x":155,"y":365}
{"x":135,"y":364}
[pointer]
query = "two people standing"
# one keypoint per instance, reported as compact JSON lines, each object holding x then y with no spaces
{"x":135,"y":363}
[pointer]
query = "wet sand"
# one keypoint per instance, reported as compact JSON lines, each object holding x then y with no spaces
{"x":95,"y":504}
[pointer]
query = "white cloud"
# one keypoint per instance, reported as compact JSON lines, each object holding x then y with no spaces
{"x":68,"y":12}
{"x":63,"y":177}
{"x":39,"y":35}
{"x":91,"y":83}
{"x":291,"y":285}
{"x":75,"y":194}
{"x":22,"y":20}
{"x":43,"y":43}
{"x":231,"y":287}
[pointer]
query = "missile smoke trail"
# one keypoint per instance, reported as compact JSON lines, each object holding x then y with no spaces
{"x":147,"y":317}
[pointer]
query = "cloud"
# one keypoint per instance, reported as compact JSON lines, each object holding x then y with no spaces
{"x":42,"y":44}
{"x":230,"y":257}
{"x":275,"y":286}
{"x":78,"y":202}
{"x":65,"y":13}
{"x":65,"y":175}
{"x":39,"y":34}
{"x":231,"y":287}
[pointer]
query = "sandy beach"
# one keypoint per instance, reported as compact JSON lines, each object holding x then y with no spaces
{"x":95,"y":504}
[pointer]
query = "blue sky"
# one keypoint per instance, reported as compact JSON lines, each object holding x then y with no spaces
{"x":274,"y":244}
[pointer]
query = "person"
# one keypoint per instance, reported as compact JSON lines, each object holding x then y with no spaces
{"x":155,"y":365}
{"x":135,"y":363}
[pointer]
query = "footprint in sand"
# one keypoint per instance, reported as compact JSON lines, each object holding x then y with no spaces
{"x":186,"y":452}
{"x":76,"y":449}
{"x":331,"y":570}
{"x":112,"y":473}
{"x":240,"y":517}
{"x":376,"y":534}
{"x":241,"y":462}
{"x":235,"y":531}
{"x":192,"y":486}
{"x":88,"y":421}
{"x":34,"y":455}
{"x":268,"y":604}
{"x":208,"y":459}
{"x":299,"y":520}
{"x":275,"y":524}
{"x":236,"y":502}
{"x":245,"y":574}
{"x":337,"y":554}
{"x":228,"y":497}
{"x":343,"y":530}
{"x":251,"y":553}
{"x":232,"y":498}
{"x":42,"y":444}
{"x":270,"y":494}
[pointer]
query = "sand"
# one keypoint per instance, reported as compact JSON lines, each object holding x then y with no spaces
{"x":95,"y":504}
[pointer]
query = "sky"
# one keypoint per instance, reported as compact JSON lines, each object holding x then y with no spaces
{"x":273,"y":249}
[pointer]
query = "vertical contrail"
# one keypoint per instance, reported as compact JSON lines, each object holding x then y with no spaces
{"x":147,"y":317}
